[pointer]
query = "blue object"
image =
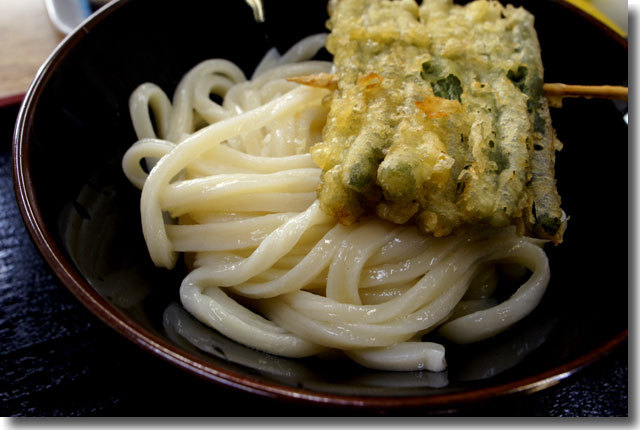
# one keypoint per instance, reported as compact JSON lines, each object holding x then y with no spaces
{"x":66,"y":15}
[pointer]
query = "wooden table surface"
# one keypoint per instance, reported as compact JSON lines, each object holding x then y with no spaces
{"x":27,"y":37}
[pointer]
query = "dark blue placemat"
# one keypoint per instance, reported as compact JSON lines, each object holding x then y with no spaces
{"x":58,"y":359}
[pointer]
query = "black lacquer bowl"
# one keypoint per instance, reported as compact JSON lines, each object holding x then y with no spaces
{"x":83,"y":215}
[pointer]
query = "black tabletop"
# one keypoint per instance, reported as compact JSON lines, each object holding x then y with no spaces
{"x":58,"y":359}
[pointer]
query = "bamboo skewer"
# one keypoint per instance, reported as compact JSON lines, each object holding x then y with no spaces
{"x":328,"y":81}
{"x":588,"y":91}
{"x":554,"y":92}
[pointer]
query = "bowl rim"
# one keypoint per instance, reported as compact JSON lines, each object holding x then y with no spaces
{"x":148,"y":341}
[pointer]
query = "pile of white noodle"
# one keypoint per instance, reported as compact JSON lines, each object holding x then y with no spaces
{"x":233,"y":185}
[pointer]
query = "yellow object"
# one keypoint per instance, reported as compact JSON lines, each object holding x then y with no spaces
{"x":591,"y":9}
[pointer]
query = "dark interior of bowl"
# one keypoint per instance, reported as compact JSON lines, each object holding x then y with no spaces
{"x":75,"y":129}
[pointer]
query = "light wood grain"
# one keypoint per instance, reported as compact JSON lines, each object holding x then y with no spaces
{"x":587,"y":91}
{"x":27,"y":37}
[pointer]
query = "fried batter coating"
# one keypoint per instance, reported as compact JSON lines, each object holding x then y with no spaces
{"x":438,"y":117}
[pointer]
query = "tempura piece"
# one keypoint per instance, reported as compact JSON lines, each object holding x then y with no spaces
{"x":438,"y":117}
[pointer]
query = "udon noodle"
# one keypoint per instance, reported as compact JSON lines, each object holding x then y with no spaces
{"x":232,"y":186}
